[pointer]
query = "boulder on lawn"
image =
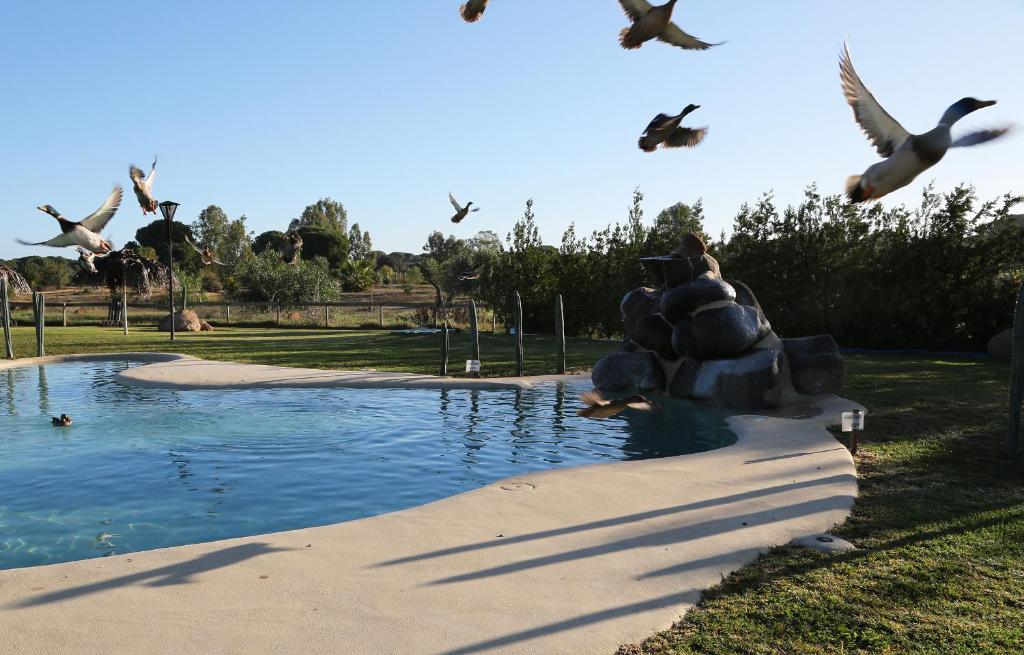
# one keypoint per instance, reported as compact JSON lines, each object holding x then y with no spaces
{"x":815,"y":364}
{"x":184,"y":321}
{"x":753,"y":381}
{"x":624,"y":371}
{"x":1001,"y":346}
{"x":722,"y":331}
{"x":687,"y":297}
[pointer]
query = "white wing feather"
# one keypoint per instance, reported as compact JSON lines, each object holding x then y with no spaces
{"x":884,"y":131}
{"x":98,"y":220}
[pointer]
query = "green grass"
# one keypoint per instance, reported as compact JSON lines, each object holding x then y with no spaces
{"x":336,"y":349}
{"x":939,"y":525}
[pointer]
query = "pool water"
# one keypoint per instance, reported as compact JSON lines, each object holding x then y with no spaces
{"x":149,"y":468}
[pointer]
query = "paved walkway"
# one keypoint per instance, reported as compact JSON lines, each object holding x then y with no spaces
{"x":569,"y":561}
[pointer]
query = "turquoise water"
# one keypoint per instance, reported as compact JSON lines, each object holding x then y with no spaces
{"x":149,"y":468}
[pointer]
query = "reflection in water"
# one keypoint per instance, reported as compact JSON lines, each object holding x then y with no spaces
{"x":161,"y":468}
{"x":44,"y":393}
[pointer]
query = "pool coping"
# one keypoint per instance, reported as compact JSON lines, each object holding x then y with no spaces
{"x":567,"y":560}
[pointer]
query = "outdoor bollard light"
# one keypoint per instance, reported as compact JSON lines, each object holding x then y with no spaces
{"x":167,"y":208}
{"x":853,"y":422}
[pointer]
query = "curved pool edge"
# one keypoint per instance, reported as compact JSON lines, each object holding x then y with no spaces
{"x":568,"y":560}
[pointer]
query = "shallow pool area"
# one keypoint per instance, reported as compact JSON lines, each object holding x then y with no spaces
{"x":146,"y":468}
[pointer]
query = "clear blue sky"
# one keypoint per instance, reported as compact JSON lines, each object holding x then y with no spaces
{"x":264,"y":107}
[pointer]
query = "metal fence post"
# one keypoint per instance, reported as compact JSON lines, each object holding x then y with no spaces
{"x":560,"y":332}
{"x":124,"y":297}
{"x":1016,"y":376}
{"x":39,"y":309}
{"x":474,"y":335}
{"x":380,"y":308}
{"x":279,"y":314}
{"x":64,"y":314}
{"x":228,"y":320}
{"x":517,"y":319}
{"x":327,"y":315}
{"x":5,"y":315}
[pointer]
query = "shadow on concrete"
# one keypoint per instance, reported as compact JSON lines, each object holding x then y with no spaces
{"x":672,"y":536}
{"x":174,"y":574}
{"x":623,"y":520}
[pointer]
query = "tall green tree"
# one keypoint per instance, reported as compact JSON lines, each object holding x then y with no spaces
{"x":211,"y":227}
{"x":325,"y":214}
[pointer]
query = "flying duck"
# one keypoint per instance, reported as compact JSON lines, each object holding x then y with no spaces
{"x":205,"y":254}
{"x":87,"y":259}
{"x":86,"y":232}
{"x":469,"y":275}
{"x":473,"y":10}
{"x":655,"y":23}
{"x":460,"y":211}
{"x":598,"y":407}
{"x":664,"y":130}
{"x":144,"y":187}
{"x":906,"y":155}
{"x":292,"y":249}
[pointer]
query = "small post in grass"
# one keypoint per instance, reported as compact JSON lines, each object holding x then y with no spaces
{"x":327,"y":316}
{"x":39,"y":311}
{"x":474,"y":341}
{"x":184,"y":296}
{"x":1016,"y":376}
{"x":279,"y":314}
{"x":227,"y":319}
{"x":380,"y":317}
{"x":64,"y":314}
{"x":517,"y":319}
{"x":852,"y":423}
{"x":560,"y":332}
{"x":5,"y":316}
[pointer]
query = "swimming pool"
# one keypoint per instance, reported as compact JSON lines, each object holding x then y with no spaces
{"x":149,"y":468}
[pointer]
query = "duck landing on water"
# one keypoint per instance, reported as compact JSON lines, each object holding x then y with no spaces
{"x":61,"y":421}
{"x":598,"y":407}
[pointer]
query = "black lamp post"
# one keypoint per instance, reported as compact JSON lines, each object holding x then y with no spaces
{"x":167,"y":208}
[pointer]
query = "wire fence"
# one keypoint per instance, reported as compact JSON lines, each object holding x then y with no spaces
{"x":327,"y":315}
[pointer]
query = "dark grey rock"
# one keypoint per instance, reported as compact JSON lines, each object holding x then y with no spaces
{"x":672,"y":270}
{"x":752,"y":381}
{"x":1001,"y":346}
{"x":744,"y":296}
{"x":720,"y":332}
{"x":687,"y":297}
{"x":653,"y":333}
{"x":815,"y":364}
{"x":624,"y":371}
{"x":637,"y":304}
{"x":628,"y":345}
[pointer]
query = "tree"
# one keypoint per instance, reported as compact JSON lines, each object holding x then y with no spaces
{"x":329,"y":244}
{"x":265,"y":277}
{"x":236,"y":243}
{"x":210,"y":228}
{"x":154,"y":236}
{"x":359,"y":244}
{"x":272,"y":240}
{"x":325,"y":214}
{"x":672,"y":224}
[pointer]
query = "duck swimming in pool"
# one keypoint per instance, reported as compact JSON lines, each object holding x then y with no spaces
{"x":62,"y":421}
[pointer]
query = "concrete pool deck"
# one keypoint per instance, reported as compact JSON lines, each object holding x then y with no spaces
{"x":574,"y":560}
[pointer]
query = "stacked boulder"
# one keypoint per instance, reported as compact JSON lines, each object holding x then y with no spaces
{"x":704,"y":338}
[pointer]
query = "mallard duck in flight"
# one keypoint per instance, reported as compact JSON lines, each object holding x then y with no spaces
{"x":473,"y":10}
{"x":292,"y":248}
{"x":86,"y":232}
{"x":144,"y":187}
{"x":664,"y":130}
{"x":469,"y":276}
{"x":651,"y":22}
{"x":906,"y":155}
{"x":206,"y":254}
{"x":598,"y":407}
{"x":460,"y":211}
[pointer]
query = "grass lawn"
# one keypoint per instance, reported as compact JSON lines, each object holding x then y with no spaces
{"x":939,"y":524}
{"x":353,"y":350}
